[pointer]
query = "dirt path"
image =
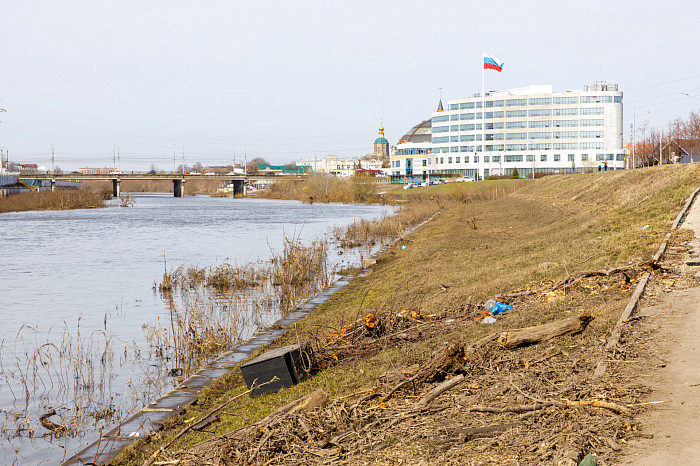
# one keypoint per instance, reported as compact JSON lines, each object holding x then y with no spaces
{"x":672,"y":326}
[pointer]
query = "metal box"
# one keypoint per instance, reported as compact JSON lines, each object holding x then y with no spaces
{"x":286,"y":363}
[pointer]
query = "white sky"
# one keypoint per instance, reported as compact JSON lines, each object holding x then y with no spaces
{"x":289,"y":79}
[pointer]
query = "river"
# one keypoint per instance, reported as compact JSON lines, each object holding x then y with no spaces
{"x":82,"y":281}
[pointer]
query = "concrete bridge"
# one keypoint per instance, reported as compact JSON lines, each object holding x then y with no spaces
{"x":178,"y":180}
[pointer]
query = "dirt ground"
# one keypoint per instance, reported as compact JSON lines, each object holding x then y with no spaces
{"x":667,"y":335}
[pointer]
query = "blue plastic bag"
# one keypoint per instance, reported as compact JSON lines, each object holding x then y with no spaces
{"x":500,"y":308}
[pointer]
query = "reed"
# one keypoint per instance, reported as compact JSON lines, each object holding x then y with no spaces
{"x":320,"y":187}
{"x":48,"y":200}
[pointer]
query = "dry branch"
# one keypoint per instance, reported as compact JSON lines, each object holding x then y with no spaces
{"x":532,"y":335}
{"x":435,"y":392}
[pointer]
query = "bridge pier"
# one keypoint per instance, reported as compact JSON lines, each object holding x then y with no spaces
{"x":238,"y":187}
{"x":53,"y":184}
{"x":179,"y":188}
{"x":116,"y":187}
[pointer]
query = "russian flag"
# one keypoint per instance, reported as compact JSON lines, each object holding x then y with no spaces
{"x":492,"y":63}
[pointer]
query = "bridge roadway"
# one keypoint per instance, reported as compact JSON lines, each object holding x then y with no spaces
{"x":178,"y":179}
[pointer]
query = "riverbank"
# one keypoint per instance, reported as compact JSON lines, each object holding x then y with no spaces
{"x":48,"y":200}
{"x":555,"y":248}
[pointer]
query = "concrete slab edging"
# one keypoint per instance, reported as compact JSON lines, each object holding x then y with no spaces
{"x":614,"y":338}
{"x":151,"y":417}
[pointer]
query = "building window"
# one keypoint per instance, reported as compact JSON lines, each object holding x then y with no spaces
{"x":515,"y":136}
{"x":456,"y":159}
{"x":442,"y":159}
{"x":543,"y":157}
{"x":486,"y":158}
{"x":571,"y":157}
{"x":441,"y":129}
{"x":565,"y":111}
{"x":466,"y":159}
{"x":563,"y":123}
{"x":440,"y":119}
{"x":454,"y":117}
{"x":449,"y":159}
{"x":565,"y":100}
{"x":595,"y":99}
{"x":618,"y":100}
{"x":496,"y":158}
{"x":454,"y":128}
{"x":425,"y":163}
{"x":516,"y":102}
{"x":557,"y":157}
{"x":516,"y":147}
{"x":516,"y":124}
{"x":591,"y":134}
{"x":516,"y":113}
{"x":565,"y":134}
{"x":540,"y":135}
{"x":592,"y":145}
{"x":466,"y":127}
{"x":565,"y":146}
{"x":476,"y":159}
{"x":584,"y":157}
{"x":596,"y":122}
{"x":530,"y":157}
{"x":541,"y":101}
{"x":513,"y":158}
{"x":540,"y":124}
{"x":454,"y":138}
{"x":592,"y":111}
{"x":541,"y":112}
{"x":540,"y":146}
{"x":454,"y":106}
{"x":441,"y":139}
{"x":466,"y":116}
{"x":466,"y":105}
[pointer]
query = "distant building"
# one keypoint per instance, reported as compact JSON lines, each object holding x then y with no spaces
{"x":339,"y":166}
{"x":381,"y":145}
{"x":532,"y":129}
{"x":410,"y":155}
{"x":95,"y":171}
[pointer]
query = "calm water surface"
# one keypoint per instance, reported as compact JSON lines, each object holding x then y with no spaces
{"x":91,"y":270}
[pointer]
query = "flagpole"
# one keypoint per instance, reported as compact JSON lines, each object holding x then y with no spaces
{"x":483,"y":115}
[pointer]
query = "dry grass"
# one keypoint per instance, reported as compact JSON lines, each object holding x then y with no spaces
{"x":531,"y":244}
{"x":326,"y":188}
{"x":47,"y":200}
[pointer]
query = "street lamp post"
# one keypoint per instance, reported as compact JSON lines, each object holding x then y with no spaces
{"x":661,"y":132}
{"x":692,"y":97}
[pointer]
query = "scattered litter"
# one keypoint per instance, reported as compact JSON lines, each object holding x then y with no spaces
{"x":135,"y":434}
{"x":500,"y":308}
{"x":403,"y":247}
{"x":496,"y":307}
{"x":589,"y":460}
{"x":488,"y":320}
{"x":645,"y":227}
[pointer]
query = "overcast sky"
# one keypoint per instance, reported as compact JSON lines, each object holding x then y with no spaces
{"x":286,"y":80}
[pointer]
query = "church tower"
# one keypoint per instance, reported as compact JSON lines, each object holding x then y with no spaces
{"x":381,"y":145}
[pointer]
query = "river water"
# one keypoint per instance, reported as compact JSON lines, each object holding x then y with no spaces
{"x":82,"y":280}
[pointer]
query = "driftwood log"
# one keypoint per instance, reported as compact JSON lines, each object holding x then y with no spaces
{"x":532,"y":335}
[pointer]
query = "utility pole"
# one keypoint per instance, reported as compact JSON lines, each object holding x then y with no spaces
{"x":173,"y":158}
{"x":114,"y":158}
{"x":183,"y":158}
{"x":119,"y":161}
{"x":52,"y":159}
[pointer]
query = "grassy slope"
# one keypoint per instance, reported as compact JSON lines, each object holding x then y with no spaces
{"x":472,"y":251}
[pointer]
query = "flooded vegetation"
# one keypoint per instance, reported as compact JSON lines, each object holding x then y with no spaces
{"x":93,"y":340}
{"x":47,"y":200}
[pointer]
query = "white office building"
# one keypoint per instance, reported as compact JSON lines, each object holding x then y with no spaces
{"x":532,"y":129}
